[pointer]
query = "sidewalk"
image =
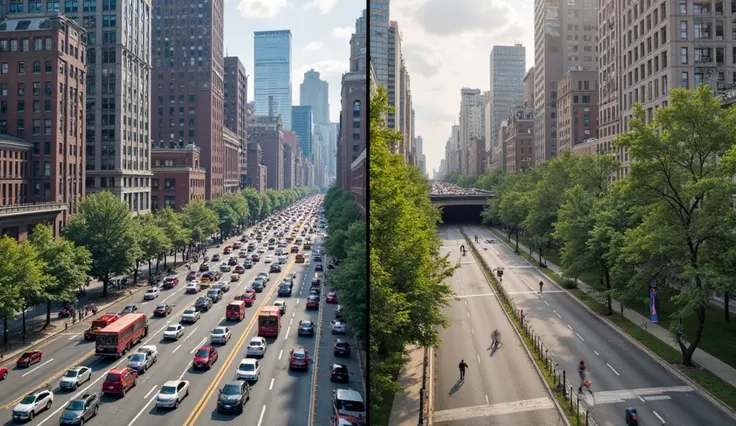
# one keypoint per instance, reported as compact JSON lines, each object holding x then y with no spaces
{"x":405,"y":409}
{"x":705,"y":360}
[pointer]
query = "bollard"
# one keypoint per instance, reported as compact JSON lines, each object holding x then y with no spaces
{"x":564,"y":382}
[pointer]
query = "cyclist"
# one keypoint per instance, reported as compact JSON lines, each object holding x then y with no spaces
{"x":495,"y":338}
{"x":582,"y":373}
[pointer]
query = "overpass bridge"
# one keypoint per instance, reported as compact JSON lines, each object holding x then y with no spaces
{"x":441,"y":200}
{"x":459,"y":205}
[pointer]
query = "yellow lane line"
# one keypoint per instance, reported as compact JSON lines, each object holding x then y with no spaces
{"x":197,"y":411}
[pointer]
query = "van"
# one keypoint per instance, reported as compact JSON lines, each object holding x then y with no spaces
{"x":235,"y":311}
{"x":299,"y":258}
{"x":348,"y":402}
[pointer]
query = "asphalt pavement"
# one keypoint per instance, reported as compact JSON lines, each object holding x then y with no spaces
{"x":622,"y":375}
{"x":501,"y":385}
{"x":279,"y":397}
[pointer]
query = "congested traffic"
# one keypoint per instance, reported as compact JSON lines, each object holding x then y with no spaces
{"x":245,"y":329}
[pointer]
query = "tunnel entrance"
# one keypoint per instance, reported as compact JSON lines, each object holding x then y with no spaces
{"x":469,"y":214}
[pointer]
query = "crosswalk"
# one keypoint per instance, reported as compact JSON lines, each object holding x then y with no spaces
{"x":455,"y":414}
{"x":642,"y":394}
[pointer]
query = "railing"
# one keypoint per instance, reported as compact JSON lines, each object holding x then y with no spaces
{"x":32,"y":208}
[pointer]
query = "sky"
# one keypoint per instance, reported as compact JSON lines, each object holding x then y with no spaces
{"x":447,"y":46}
{"x":320,"y":37}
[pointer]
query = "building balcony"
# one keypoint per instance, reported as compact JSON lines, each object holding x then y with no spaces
{"x":52,"y":207}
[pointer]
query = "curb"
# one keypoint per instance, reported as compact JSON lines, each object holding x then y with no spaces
{"x":703,"y":392}
{"x":552,"y":396}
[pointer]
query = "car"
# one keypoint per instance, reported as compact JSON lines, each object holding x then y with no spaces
{"x":32,"y":404}
{"x":331,"y":297}
{"x":255,"y":257}
{"x":318,"y":267}
{"x":225,"y":268}
{"x":193,"y":287}
{"x":247,"y":264}
{"x":268,"y":259}
{"x":130,"y":309}
{"x":232,"y":261}
{"x":284,"y":290}
{"x":338,"y":311}
{"x":271,"y":246}
{"x":248,"y":370}
{"x":283,"y":260}
{"x":171,"y":282}
{"x":315,"y":291}
{"x":3,"y":373}
{"x":239,"y":269}
{"x":75,"y":377}
{"x":261,"y":249}
{"x":339,"y":373}
{"x":264,"y":276}
{"x":78,"y":411}
{"x":141,"y":361}
{"x":236,"y":246}
{"x":119,"y":381}
{"x":306,"y":328}
{"x":216,"y":257}
{"x":190,"y":315}
{"x":220,"y":335}
{"x":162,"y":310}
{"x":248,"y":298}
{"x":256,"y":348}
{"x":337,"y":326}
{"x":257,"y":285}
{"x":275,"y":268}
{"x":172,"y":393}
{"x":289,"y":279}
{"x":317,"y":258}
{"x":203,"y":304}
{"x":294,"y":249}
{"x":205,"y":357}
{"x":299,"y":359}
{"x":212,"y":275}
{"x":312,"y":302}
{"x":349,"y":402}
{"x":228,"y":250}
{"x":224,"y":285}
{"x":191,"y":275}
{"x":29,"y":358}
{"x":281,"y":304}
{"x":174,"y":332}
{"x":215,"y":295}
{"x":204,"y":267}
{"x":233,"y":396}
{"x":341,"y":348}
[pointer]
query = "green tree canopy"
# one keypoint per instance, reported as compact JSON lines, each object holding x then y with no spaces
{"x":200,"y":221}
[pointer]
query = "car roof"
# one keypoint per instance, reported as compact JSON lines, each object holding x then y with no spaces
{"x":257,"y":339}
{"x":349,"y":394}
{"x":118,"y":370}
{"x":338,"y":365}
{"x":219,"y":328}
{"x":248,"y":361}
{"x":297,"y":350}
{"x":77,"y":368}
{"x":173,"y":382}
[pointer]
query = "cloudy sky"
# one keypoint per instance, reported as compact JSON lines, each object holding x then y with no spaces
{"x":447,"y":46}
{"x":320,"y":31}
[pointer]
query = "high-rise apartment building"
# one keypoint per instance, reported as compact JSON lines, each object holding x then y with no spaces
{"x":267,"y":131}
{"x":393,"y":82}
{"x":257,"y":173}
{"x":272,"y":73}
{"x":518,"y":139}
{"x":379,"y":39}
{"x":42,"y":121}
{"x":231,"y":163}
{"x":565,"y":37}
{"x":302,"y":123}
{"x":470,"y":111}
{"x":358,"y":47}
{"x":406,"y":146}
{"x":315,"y":93}
{"x":577,"y":109}
{"x":508,"y":65}
{"x":235,"y":111}
{"x":188,"y":90}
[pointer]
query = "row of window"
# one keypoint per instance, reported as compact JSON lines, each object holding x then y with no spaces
{"x":22,"y":106}
{"x":69,"y":6}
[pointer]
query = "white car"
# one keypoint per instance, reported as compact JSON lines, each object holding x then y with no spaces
{"x":150,"y":350}
{"x":220,"y":335}
{"x":256,"y":347}
{"x":261,"y":250}
{"x":268,"y":259}
{"x":283,"y":260}
{"x":337,"y":326}
{"x":281,"y":304}
{"x":249,"y":370}
{"x":193,"y":287}
{"x":75,"y":377}
{"x":172,"y":393}
{"x":32,"y":404}
{"x":151,"y":294}
{"x":191,"y":315}
{"x":174,"y":332}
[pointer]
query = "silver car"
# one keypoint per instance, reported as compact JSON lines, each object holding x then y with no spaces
{"x":140,"y":361}
{"x":75,"y":377}
{"x":172,"y":393}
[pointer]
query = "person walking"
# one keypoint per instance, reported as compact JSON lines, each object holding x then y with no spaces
{"x":582,"y":373}
{"x":462,"y":367}
{"x":541,"y":284}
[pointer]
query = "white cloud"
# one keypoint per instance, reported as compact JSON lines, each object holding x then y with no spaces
{"x":261,"y":9}
{"x":313,"y":46}
{"x":343,"y":32}
{"x":325,"y":68}
{"x":324,"y":6}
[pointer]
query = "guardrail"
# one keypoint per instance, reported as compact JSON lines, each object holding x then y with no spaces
{"x":32,"y":207}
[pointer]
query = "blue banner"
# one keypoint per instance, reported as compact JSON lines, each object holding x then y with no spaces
{"x":654,"y":317}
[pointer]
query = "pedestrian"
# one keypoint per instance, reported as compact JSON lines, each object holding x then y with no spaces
{"x":66,"y":325}
{"x":462,"y":367}
{"x":541,"y":284}
{"x":582,"y":373}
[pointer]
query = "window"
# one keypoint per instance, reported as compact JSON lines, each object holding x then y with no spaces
{"x":3,"y":107}
{"x":16,"y":7}
{"x":4,"y":89}
{"x":36,"y":88}
{"x":37,"y":67}
{"x":47,"y":126}
{"x":34,"y":6}
{"x":36,"y":106}
{"x":683,"y":30}
{"x":4,"y":68}
{"x":683,"y":55}
{"x":21,"y":106}
{"x":169,"y":183}
{"x":170,"y":201}
{"x":52,"y":6}
{"x":21,"y":67}
{"x":48,"y":67}
{"x":21,"y":125}
{"x":36,"y":127}
{"x":683,"y":7}
{"x":21,"y":89}
{"x":684,"y":80}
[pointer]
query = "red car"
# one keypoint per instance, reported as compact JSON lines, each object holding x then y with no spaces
{"x":3,"y":373}
{"x":342,"y":420}
{"x":248,"y":297}
{"x":318,"y":267}
{"x":162,"y":310}
{"x":299,"y":359}
{"x":313,"y":302}
{"x":171,"y":282}
{"x":228,"y":250}
{"x":120,"y":380}
{"x":341,"y":348}
{"x":29,"y":358}
{"x":205,"y":357}
{"x":331,"y":297}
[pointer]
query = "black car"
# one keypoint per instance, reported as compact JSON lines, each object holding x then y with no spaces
{"x":216,"y":257}
{"x":204,"y":267}
{"x":78,"y":411}
{"x":203,"y":304}
{"x":339,"y":373}
{"x":284,"y":290}
{"x":314,"y":290}
{"x":275,"y":268}
{"x":232,"y":261}
{"x":306,"y":328}
{"x":341,"y":348}
{"x":317,"y":258}
{"x":247,"y":263}
{"x":233,"y":397}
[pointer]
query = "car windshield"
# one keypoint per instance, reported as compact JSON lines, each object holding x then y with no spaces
{"x":231,"y":390}
{"x":171,"y":328}
{"x":113,"y":377}
{"x":190,"y":311}
{"x":71,"y":373}
{"x":203,"y":352}
{"x":338,"y":368}
{"x":255,"y":344}
{"x":26,"y":355}
{"x":76,"y":405}
{"x":306,"y":324}
{"x":29,"y":399}
{"x":168,"y":390}
{"x":138,"y":358}
{"x":218,"y":331}
{"x":353,"y":406}
{"x":247,"y":367}
{"x":298,"y":355}
{"x":201,"y":300}
{"x":152,"y":290}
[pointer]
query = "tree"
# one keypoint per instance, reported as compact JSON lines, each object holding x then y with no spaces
{"x":105,"y":226}
{"x":351,"y":280}
{"x":154,"y":243}
{"x":21,"y":272}
{"x":171,"y":223}
{"x":255,"y":203}
{"x":65,"y":265}
{"x":690,"y":193}
{"x":232,"y":210}
{"x":200,"y":221}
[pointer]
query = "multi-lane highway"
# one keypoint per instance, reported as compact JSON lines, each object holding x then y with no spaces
{"x":501,"y":386}
{"x":622,"y":375}
{"x":279,"y":397}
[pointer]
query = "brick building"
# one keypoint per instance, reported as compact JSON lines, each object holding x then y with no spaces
{"x":178,"y":176}
{"x":359,"y":182}
{"x":577,"y":109}
{"x":236,"y":114}
{"x":518,"y":139}
{"x":267,"y":131}
{"x":257,"y":174}
{"x":42,"y":121}
{"x":231,"y":161}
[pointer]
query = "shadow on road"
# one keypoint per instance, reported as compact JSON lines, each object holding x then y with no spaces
{"x":456,"y":387}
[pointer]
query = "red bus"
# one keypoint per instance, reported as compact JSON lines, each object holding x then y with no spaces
{"x":269,"y":321}
{"x":117,"y":338}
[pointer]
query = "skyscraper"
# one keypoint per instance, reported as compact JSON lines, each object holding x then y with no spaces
{"x":508,"y":65}
{"x":236,"y":99}
{"x":272,"y":73}
{"x":379,"y":39}
{"x":393,"y":81}
{"x":302,"y":121}
{"x":314,"y":93}
{"x":188,"y":99}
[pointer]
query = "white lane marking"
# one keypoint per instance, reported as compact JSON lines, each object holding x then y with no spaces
{"x":271,"y":386}
{"x":475,"y":295}
{"x":37,"y":367}
{"x":478,"y":356}
{"x":287,"y":333}
{"x":297,"y":301}
{"x":185,"y":370}
{"x":260,"y":419}
{"x":569,"y":326}
{"x":487,"y":401}
{"x":281,"y":352}
{"x":466,"y":302}
{"x":640,"y":398}
{"x":468,"y":314}
{"x":145,"y":407}
{"x":190,"y":334}
{"x":74,"y":337}
{"x":149,"y":392}
{"x":293,"y":314}
{"x":596,"y":352}
{"x":169,"y":296}
{"x":201,"y":342}
{"x":144,"y":303}
{"x":456,"y":414}
{"x":472,"y":331}
{"x":581,"y":337}
{"x":291,"y":321}
{"x":658,"y":416}
{"x":558,"y":315}
{"x":612,"y":369}
{"x":545,"y":302}
{"x":177,"y":348}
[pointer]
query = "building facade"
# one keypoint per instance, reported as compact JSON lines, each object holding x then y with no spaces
{"x":178,"y":177}
{"x":267,"y":131}
{"x":302,"y":122}
{"x":359,"y":182}
{"x":469,"y":128}
{"x":577,"y":109}
{"x":529,"y":88}
{"x":272,"y":74}
{"x":257,"y":173}
{"x":508,"y":66}
{"x":235,"y":110}
{"x":42,"y":121}
{"x":393,"y":81}
{"x":353,"y":134}
{"x":231,"y":165}
{"x":518,"y":139}
{"x":379,"y":39}
{"x":314,"y":92}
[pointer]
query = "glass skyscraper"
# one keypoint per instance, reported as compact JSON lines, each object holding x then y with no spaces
{"x":272,"y":73}
{"x":378,"y":49}
{"x":302,"y":120}
{"x":508,"y":67}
